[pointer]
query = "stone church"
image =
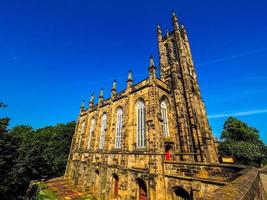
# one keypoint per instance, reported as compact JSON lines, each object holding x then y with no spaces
{"x":151,"y":140}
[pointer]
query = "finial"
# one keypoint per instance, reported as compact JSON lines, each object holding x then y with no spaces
{"x":101,"y":96}
{"x":114,"y":85}
{"x":159,"y":33}
{"x":158,"y":29}
{"x":130,"y":77}
{"x":101,"y":93}
{"x":184,"y":33}
{"x":82,"y":106}
{"x":173,"y":14}
{"x":92,"y":99}
{"x":113,"y":90}
{"x":175,"y":21}
{"x":152,"y":68}
{"x":167,"y":32}
{"x":151,"y":61}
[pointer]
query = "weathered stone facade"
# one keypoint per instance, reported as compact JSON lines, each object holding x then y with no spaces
{"x":177,"y":158}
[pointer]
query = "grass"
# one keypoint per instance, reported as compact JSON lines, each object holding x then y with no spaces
{"x":45,"y":193}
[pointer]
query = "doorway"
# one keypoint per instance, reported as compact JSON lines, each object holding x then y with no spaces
{"x":142,"y":189}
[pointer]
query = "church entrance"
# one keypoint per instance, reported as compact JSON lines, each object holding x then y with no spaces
{"x":142,"y":189}
{"x":180,"y":194}
{"x":116,"y":185}
{"x":95,"y":181}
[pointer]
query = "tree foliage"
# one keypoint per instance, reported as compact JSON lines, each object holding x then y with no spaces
{"x":242,"y":142}
{"x":27,"y":154}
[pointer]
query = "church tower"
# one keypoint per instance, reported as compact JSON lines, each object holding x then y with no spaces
{"x":177,"y":70}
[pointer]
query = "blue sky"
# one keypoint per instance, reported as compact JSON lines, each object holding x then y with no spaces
{"x":53,"y":54}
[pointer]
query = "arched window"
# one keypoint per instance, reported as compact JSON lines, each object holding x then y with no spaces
{"x":140,"y":116}
{"x":174,"y":49}
{"x":92,"y":124}
{"x":81,"y":134}
{"x":118,"y":128}
{"x":164,"y":115}
{"x":180,"y":193}
{"x":103,"y":131}
{"x":167,"y":49}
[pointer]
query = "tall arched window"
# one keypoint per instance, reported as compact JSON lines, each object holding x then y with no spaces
{"x":174,"y":49}
{"x":92,"y":124}
{"x":118,"y":128}
{"x":140,"y":129}
{"x":103,"y":131}
{"x":167,"y":50}
{"x":164,"y":115}
{"x":81,"y":134}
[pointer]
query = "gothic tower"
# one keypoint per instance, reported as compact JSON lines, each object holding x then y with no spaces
{"x":177,"y":70}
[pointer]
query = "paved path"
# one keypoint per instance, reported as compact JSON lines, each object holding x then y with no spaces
{"x":63,"y":190}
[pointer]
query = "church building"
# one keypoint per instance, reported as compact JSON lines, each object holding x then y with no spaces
{"x":153,"y":139}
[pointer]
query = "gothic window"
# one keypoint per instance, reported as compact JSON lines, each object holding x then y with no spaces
{"x":81,"y":134}
{"x":140,"y":116}
{"x":167,"y":49}
{"x":92,"y":124}
{"x":164,"y":115}
{"x":174,"y":48}
{"x":103,"y":131}
{"x":118,"y":128}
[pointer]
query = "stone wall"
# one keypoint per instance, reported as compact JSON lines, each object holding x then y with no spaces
{"x":247,"y":186}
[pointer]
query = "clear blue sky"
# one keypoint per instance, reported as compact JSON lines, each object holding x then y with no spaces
{"x":54,"y":53}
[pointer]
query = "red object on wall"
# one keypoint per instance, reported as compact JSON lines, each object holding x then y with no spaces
{"x":168,"y":155}
{"x":116,"y":188}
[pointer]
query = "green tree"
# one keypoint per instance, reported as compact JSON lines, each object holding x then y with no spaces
{"x":8,"y":154}
{"x":27,"y":154}
{"x":57,"y":147}
{"x":242,"y":142}
{"x":3,"y":121}
{"x":42,"y":154}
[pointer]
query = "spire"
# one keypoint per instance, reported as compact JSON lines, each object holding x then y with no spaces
{"x":92,"y":99}
{"x":82,"y":106}
{"x":130,"y":79}
{"x":114,"y":89}
{"x":152,"y":68}
{"x":159,"y":33}
{"x":151,"y":61}
{"x":184,"y":33}
{"x":101,"y":96}
{"x":175,"y":21}
{"x":114,"y":85}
